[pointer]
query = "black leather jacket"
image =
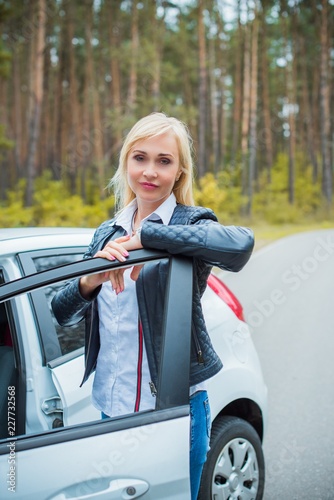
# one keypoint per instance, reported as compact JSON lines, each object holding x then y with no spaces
{"x":192,"y":231}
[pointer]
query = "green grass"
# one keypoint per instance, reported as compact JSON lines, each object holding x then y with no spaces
{"x":266,"y":233}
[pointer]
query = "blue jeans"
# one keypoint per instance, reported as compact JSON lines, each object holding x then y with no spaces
{"x":200,"y":427}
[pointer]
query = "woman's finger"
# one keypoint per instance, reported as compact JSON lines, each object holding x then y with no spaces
{"x":122,"y":239}
{"x":113,"y":281}
{"x":105,"y":255}
{"x":117,"y":250}
{"x":113,"y":253}
{"x":135,"y":272}
{"x":117,"y":280}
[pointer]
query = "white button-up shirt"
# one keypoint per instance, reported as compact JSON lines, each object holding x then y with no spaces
{"x":116,"y":375}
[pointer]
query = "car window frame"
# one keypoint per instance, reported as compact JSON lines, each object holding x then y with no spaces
{"x":173,"y":380}
{"x":15,"y":329}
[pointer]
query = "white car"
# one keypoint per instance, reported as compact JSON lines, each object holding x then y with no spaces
{"x":53,"y":443}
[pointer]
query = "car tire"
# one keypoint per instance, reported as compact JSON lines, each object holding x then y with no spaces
{"x":235,"y":464}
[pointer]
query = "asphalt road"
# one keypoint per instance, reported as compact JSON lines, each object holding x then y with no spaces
{"x":287,"y":290}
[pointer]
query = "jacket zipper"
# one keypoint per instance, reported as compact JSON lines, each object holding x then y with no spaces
{"x":151,"y":384}
{"x":153,"y":389}
{"x":199,"y":351}
{"x":139,"y":366}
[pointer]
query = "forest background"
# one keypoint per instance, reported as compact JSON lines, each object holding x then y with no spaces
{"x":251,"y":78}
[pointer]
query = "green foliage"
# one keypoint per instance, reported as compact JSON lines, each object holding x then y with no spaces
{"x":4,"y":142}
{"x":209,"y":194}
{"x":52,"y":206}
{"x":220,"y":194}
{"x":5,"y":65}
{"x":5,"y":55}
{"x":271,"y":203}
{"x":13,"y":213}
{"x":5,"y":62}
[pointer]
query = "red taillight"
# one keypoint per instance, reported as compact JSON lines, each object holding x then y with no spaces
{"x":226,"y":295}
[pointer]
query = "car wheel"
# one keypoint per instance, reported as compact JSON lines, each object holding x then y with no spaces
{"x":235,"y":465}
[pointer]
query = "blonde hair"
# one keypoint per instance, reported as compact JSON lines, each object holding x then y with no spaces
{"x":150,"y":126}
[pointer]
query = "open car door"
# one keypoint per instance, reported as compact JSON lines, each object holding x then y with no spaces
{"x":140,"y":455}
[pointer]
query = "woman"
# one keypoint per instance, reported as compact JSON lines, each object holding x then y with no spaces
{"x":153,"y":183}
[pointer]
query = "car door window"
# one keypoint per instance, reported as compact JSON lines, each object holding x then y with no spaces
{"x":70,"y":338}
{"x":116,"y":345}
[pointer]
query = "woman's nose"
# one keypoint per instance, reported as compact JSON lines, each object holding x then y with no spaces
{"x":150,"y":170}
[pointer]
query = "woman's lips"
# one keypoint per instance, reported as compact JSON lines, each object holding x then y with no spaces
{"x":148,"y":185}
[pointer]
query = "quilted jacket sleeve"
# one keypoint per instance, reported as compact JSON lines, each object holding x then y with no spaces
{"x":227,"y":247}
{"x":68,"y":305}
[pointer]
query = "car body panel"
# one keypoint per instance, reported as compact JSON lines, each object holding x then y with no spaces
{"x":240,"y":377}
{"x":85,"y":467}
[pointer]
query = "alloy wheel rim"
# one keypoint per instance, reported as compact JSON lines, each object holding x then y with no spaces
{"x":236,"y":472}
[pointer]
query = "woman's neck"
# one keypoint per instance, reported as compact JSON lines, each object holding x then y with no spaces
{"x":144,"y":210}
{"x":139,"y":214}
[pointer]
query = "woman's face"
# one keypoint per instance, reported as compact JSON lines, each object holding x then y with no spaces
{"x":152,"y":169}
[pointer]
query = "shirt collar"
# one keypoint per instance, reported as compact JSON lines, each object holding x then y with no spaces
{"x":164,"y":212}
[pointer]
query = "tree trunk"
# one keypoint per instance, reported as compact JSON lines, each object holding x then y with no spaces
{"x":245,"y":108}
{"x":5,"y":171}
{"x":307,"y":113}
{"x":18,"y":117}
{"x":96,"y":137}
{"x":42,"y":152}
{"x":221,"y":121}
{"x":92,"y":140}
{"x":238,"y":88}
{"x":292,"y":101}
{"x":84,"y":147}
{"x":132,"y":90}
{"x":37,"y":94}
{"x":158,"y":26}
{"x":188,"y":89}
{"x":325,"y":105}
{"x":266,"y":136}
{"x":253,"y":110}
{"x":60,"y":107}
{"x":290,"y":105}
{"x":221,"y":57}
{"x":72,"y":154}
{"x":115,"y":75}
{"x":202,"y":92}
{"x":214,"y":106}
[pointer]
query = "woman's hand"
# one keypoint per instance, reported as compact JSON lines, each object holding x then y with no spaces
{"x":114,"y":249}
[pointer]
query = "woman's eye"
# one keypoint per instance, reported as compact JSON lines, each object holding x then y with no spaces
{"x":138,"y":158}
{"x":165,"y":161}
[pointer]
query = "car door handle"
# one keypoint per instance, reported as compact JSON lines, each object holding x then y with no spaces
{"x":118,"y":489}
